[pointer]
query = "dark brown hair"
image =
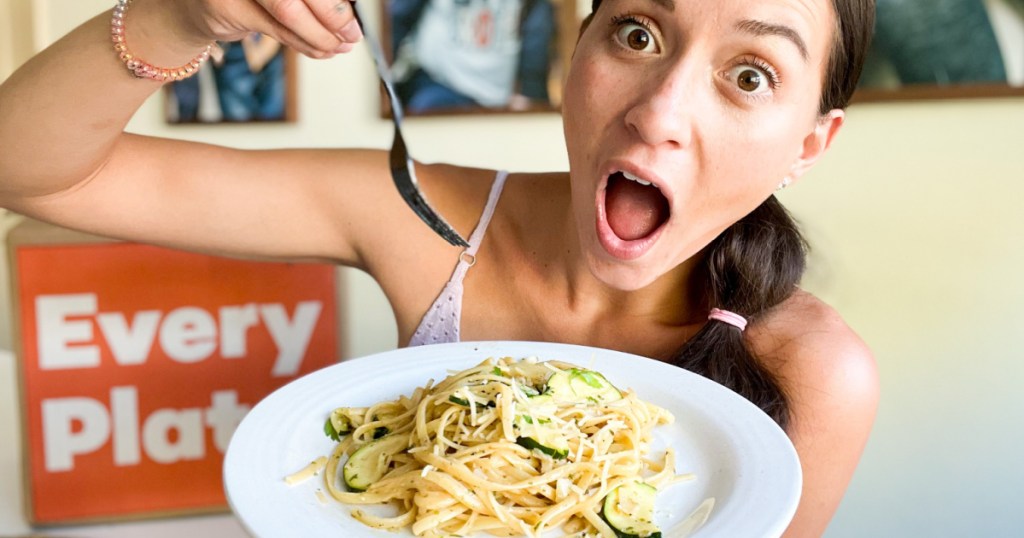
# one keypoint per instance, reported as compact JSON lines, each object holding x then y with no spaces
{"x":756,"y":263}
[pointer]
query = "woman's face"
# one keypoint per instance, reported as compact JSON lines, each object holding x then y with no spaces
{"x":712,"y":102}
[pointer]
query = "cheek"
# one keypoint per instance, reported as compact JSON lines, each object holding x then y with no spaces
{"x":748,"y":157}
{"x":758,"y":150}
{"x":579,"y":106}
{"x":577,"y":124}
{"x":595,"y":84}
{"x":586,"y":113}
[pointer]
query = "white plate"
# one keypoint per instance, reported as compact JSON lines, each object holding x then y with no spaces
{"x":740,"y":456}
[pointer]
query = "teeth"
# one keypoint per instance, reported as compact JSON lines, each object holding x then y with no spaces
{"x":631,"y":177}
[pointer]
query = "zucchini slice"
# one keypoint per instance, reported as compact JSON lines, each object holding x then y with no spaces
{"x":531,"y":374}
{"x":629,"y":511}
{"x":331,"y":431}
{"x":529,"y":390}
{"x":368,"y":464}
{"x":582,"y":386}
{"x":537,"y":434}
{"x":343,"y":420}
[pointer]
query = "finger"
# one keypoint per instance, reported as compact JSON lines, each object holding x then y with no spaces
{"x":266,"y":24}
{"x":338,"y":17}
{"x":296,"y":16}
{"x":345,"y":47}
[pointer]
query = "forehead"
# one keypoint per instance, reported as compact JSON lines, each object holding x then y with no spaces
{"x":812,"y":20}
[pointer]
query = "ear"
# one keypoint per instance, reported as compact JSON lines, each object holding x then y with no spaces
{"x":817,"y":142}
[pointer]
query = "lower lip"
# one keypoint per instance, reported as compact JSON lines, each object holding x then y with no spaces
{"x":616,"y":246}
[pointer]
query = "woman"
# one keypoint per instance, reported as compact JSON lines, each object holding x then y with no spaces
{"x":715,"y":103}
{"x":471,"y":53}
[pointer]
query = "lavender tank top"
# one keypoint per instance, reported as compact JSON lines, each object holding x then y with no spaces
{"x":440,"y":324}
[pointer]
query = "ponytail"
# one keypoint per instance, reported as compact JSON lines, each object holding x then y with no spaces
{"x":750,"y":268}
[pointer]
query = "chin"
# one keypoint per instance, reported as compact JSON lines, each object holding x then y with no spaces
{"x":619,"y":275}
{"x":623,"y":273}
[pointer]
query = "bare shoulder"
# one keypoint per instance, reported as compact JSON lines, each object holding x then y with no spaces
{"x":830,"y":380}
{"x":817,"y":356}
{"x":457,"y":193}
{"x":460,"y":191}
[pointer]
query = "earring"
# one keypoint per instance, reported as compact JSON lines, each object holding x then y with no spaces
{"x":784,"y":184}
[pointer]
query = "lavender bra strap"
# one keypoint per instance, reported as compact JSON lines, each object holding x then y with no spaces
{"x":440,"y":324}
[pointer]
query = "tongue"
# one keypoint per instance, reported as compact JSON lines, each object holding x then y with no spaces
{"x":634,"y":210}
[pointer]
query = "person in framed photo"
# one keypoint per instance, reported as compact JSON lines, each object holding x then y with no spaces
{"x":247,"y":80}
{"x":472,"y":54}
{"x":250,"y":79}
{"x":939,"y":43}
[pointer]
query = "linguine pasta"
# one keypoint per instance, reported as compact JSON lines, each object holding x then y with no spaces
{"x":506,"y":448}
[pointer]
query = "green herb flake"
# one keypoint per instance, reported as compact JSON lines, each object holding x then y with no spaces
{"x":330,"y":431}
{"x":529,"y":391}
{"x":589,"y":378}
{"x":458,"y":401}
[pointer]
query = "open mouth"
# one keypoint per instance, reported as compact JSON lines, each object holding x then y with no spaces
{"x":635,"y":208}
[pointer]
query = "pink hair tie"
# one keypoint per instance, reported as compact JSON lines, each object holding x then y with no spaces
{"x":731,"y":318}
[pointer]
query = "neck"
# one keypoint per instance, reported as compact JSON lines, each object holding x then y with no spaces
{"x":674,"y":299}
{"x":550,"y":294}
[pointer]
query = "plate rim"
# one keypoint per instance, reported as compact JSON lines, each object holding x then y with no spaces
{"x":473,"y":349}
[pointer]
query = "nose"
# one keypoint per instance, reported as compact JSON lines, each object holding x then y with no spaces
{"x":663,"y":112}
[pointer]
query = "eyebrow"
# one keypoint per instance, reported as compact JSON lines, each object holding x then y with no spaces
{"x":761,"y":28}
{"x":668,"y":5}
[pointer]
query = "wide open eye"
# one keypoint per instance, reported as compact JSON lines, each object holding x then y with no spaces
{"x":750,"y":80}
{"x":753,"y":79}
{"x":636,"y":37}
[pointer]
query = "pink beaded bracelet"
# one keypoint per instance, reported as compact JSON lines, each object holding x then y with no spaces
{"x":141,"y":68}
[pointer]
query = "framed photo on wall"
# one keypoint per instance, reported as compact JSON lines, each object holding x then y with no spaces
{"x":478,"y":56}
{"x":935,"y":49}
{"x":252,"y":80}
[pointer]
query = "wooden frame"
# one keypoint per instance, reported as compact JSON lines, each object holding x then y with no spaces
{"x":945,"y":49}
{"x":554,"y":25}
{"x":228,"y":90}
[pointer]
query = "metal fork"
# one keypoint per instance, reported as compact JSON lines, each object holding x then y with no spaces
{"x":402,"y":170}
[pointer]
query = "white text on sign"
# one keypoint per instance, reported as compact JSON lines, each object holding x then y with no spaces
{"x":187,"y":334}
{"x":77,"y":426}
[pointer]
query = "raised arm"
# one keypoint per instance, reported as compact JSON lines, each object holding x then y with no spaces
{"x":67,"y":160}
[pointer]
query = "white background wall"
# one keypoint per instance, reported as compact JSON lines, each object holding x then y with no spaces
{"x":918,"y":237}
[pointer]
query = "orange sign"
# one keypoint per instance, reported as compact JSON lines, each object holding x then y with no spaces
{"x":138,"y":363}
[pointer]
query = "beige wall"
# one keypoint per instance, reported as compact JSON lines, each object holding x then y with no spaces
{"x":6,"y":46}
{"x":919,"y":237}
{"x":918,"y":240}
